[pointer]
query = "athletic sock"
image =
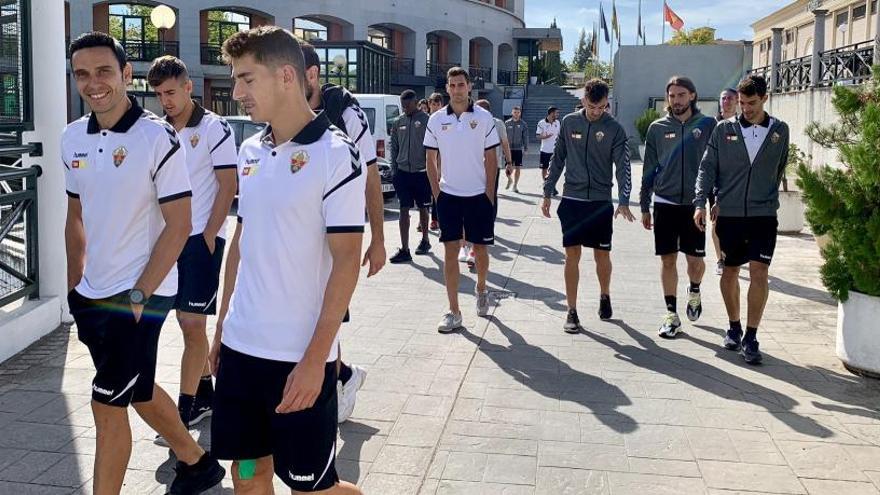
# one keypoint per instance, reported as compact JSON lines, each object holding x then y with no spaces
{"x":695,"y":287}
{"x":184,"y":406}
{"x":345,"y":372}
{"x":206,"y":387}
{"x":751,"y":334}
{"x":735,"y":325}
{"x":671,"y":304}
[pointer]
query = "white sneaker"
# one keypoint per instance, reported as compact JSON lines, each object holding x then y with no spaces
{"x":449,"y":323}
{"x":671,"y":326}
{"x":509,"y":183}
{"x":161,"y":442}
{"x":463,"y":254}
{"x":471,"y":258}
{"x":347,"y":394}
{"x":719,"y":267}
{"x":695,"y":306}
{"x":483,"y":303}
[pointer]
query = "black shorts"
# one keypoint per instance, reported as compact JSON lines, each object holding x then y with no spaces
{"x":123,"y":350}
{"x":516,"y":156}
{"x":474,"y":214}
{"x":675,"y":230}
{"x":545,"y":159}
{"x":245,"y":425}
{"x":198,"y":276}
{"x":586,"y":223}
{"x":745,"y":239}
{"x":413,"y":189}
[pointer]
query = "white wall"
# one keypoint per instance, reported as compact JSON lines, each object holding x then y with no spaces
{"x":798,"y":110}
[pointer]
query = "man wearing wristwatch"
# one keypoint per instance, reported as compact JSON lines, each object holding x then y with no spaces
{"x":128,"y":217}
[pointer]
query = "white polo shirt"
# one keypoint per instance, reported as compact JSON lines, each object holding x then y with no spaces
{"x":121,"y":176}
{"x":291,"y":197}
{"x":545,"y":127}
{"x":462,"y":141}
{"x":210,"y":146}
{"x":755,"y":135}
{"x":358,"y":129}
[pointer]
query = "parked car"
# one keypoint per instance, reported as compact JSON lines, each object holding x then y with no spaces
{"x":382,"y":111}
{"x":243,"y":127}
{"x":387,"y":177}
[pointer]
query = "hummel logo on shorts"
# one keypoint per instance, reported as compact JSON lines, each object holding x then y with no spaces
{"x":197,"y":305}
{"x":604,"y":245}
{"x":102,"y":391}
{"x":301,"y":477}
{"x":488,"y":239}
{"x":765,"y":257}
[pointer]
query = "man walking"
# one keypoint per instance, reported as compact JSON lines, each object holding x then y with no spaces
{"x":292,"y":267}
{"x":547,"y":131}
{"x":503,"y":151}
{"x":128,"y":218}
{"x":744,"y":163}
{"x":410,"y":173}
{"x":463,"y":136}
{"x":590,"y":143}
{"x":674,"y":147}
{"x":210,"y":157}
{"x":435,"y":102}
{"x":518,"y":135}
{"x":728,"y":103}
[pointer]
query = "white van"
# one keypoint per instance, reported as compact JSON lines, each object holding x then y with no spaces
{"x":382,"y":111}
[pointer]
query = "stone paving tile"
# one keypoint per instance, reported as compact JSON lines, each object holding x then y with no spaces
{"x":832,"y":487}
{"x":750,"y":477}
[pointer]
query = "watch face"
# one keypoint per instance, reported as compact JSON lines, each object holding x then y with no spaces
{"x":136,"y":296}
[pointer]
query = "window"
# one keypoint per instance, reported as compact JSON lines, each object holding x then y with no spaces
{"x":842,"y":19}
{"x":371,"y":116}
{"x":223,"y":24}
{"x":873,"y":7}
{"x":859,"y":12}
{"x":789,"y":36}
{"x":309,"y":30}
{"x":392,"y":112}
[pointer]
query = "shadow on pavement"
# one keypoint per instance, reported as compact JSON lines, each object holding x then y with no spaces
{"x":795,"y":290}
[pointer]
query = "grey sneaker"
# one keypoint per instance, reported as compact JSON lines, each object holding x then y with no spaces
{"x":671,"y":326}
{"x":572,"y":322}
{"x":719,"y":267}
{"x":750,"y":352}
{"x":694,"y":306}
{"x":449,"y":323}
{"x":483,"y":303}
{"x":733,"y":340}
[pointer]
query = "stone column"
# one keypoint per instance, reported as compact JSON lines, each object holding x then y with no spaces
{"x":420,"y":53}
{"x":820,"y":17}
{"x":876,"y":36}
{"x":775,"y":57}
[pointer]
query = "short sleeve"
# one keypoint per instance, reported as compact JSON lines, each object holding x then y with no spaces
{"x":358,"y":129}
{"x":169,"y":173}
{"x":70,"y":184}
{"x":492,"y":140}
{"x":345,"y":189}
{"x":221,"y":139}
{"x":430,"y":141}
{"x":539,"y":129}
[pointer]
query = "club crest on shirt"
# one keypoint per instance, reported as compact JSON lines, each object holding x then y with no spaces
{"x":119,"y":155}
{"x":298,"y":160}
{"x":194,"y":140}
{"x":697,"y":132}
{"x":474,"y":124}
{"x":444,"y":127}
{"x":775,"y":138}
{"x":417,"y":124}
{"x":600,"y":136}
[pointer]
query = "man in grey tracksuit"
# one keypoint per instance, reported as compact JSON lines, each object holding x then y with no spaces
{"x":674,"y":146}
{"x":410,"y":173}
{"x":589,"y":142}
{"x":745,"y":161}
{"x":518,"y":134}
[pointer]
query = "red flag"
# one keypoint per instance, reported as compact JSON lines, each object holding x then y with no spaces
{"x":672,"y":18}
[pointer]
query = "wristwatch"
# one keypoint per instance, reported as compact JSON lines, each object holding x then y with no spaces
{"x":137,"y":296}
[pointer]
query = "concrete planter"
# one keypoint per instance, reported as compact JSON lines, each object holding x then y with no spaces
{"x":858,"y":334}
{"x":791,"y":212}
{"x":533,"y":80}
{"x":642,"y":151}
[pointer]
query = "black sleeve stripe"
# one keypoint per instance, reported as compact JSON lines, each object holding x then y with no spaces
{"x":230,"y":165}
{"x":65,"y":165}
{"x":238,"y":217}
{"x":73,"y":195}
{"x":174,"y":147}
{"x":344,"y":181}
{"x":363,"y":131}
{"x":226,"y":133}
{"x":373,"y":162}
{"x":493,"y":147}
{"x":491,"y":130}
{"x":348,"y":229}
{"x":431,"y":148}
{"x":173,"y":197}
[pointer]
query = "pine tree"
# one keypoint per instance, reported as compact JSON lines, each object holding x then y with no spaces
{"x":581,"y":53}
{"x":844,"y":202}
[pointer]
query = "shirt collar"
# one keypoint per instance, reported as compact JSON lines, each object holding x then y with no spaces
{"x":746,"y":124}
{"x":470,"y":108}
{"x":130,"y":117}
{"x":309,"y":134}
{"x":196,"y":118}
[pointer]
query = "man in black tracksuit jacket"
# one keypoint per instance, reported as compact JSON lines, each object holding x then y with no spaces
{"x":745,"y":161}
{"x":674,"y":147}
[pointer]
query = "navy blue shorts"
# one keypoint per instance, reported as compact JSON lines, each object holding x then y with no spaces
{"x":198,"y":276}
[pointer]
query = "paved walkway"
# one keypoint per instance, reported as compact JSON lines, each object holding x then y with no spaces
{"x":512,"y":405}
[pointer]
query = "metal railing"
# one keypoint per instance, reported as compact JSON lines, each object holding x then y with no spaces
{"x":513,"y":77}
{"x":848,"y":64}
{"x":402,"y":66}
{"x":147,"y":51}
{"x":19,"y":256}
{"x":760,"y":71}
{"x":438,"y":69}
{"x":480,"y":76}
{"x":794,"y":74}
{"x":210,"y":54}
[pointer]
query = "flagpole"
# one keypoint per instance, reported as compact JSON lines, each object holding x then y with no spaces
{"x":663,"y":20}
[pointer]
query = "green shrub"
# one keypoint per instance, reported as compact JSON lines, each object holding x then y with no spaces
{"x":644,"y":121}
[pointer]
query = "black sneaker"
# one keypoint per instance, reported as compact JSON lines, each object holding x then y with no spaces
{"x":424,"y":248}
{"x":733,"y":340}
{"x":195,"y":479}
{"x":402,"y":256}
{"x":201,"y":409}
{"x":572,"y":323}
{"x":750,"y":352}
{"x":605,"y":311}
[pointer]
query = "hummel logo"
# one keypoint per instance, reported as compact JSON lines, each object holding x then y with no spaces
{"x":604,"y":245}
{"x":80,"y":155}
{"x":701,"y":251}
{"x":488,"y":239}
{"x":102,"y":391}
{"x":197,"y":305}
{"x":301,"y":477}
{"x":252,"y":161}
{"x":765,"y":257}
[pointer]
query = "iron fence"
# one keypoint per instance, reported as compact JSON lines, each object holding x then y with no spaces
{"x":19,"y":257}
{"x":147,"y":51}
{"x":794,"y":74}
{"x":847,"y":64}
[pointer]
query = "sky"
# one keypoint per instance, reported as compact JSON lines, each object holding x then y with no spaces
{"x":731,"y":18}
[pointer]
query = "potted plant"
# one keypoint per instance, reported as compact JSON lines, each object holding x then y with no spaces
{"x":642,"y":123}
{"x":791,"y":208}
{"x":844,"y":202}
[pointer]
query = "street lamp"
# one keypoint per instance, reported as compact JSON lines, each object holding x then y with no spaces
{"x":163,"y":18}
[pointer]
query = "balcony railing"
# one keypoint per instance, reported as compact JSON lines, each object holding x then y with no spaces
{"x":761,"y":71}
{"x":794,"y":74}
{"x":19,"y":259}
{"x":147,"y":51}
{"x":849,"y":64}
{"x":210,"y":54}
{"x":438,"y":69}
{"x":402,"y":66}
{"x":480,"y":75}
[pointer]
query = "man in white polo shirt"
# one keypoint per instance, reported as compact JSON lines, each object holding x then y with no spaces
{"x":464,"y":138}
{"x":128,"y":217}
{"x":291,"y":270}
{"x":210,"y":160}
{"x":547,"y":131}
